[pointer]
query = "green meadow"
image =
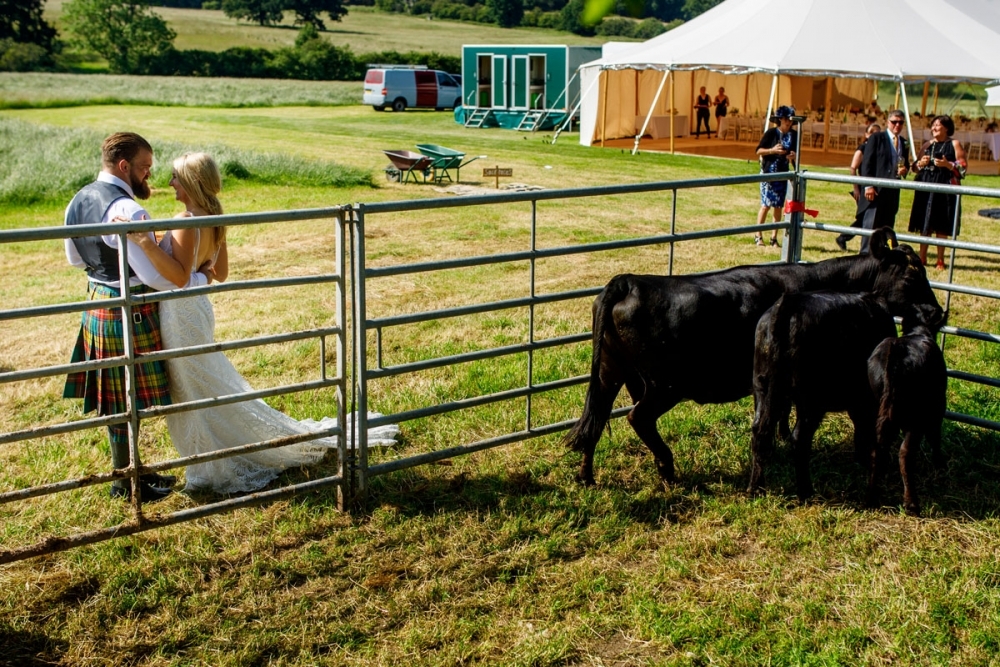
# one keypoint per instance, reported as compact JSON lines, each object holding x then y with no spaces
{"x":498,"y":558}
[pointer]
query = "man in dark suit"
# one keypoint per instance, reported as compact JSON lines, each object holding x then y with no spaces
{"x":886,"y":156}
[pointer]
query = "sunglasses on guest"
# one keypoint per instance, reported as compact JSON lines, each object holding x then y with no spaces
{"x":895,"y":122}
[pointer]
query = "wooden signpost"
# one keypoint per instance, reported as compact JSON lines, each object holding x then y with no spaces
{"x":497,"y":172}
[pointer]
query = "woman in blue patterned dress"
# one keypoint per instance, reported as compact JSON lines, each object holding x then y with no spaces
{"x":776,"y":151}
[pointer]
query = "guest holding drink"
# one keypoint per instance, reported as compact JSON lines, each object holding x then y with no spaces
{"x":942,"y":161}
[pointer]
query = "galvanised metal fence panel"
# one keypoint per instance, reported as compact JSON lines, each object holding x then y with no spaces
{"x":368,"y":372}
{"x":354,"y":468}
{"x":328,"y":378}
{"x":793,"y":223}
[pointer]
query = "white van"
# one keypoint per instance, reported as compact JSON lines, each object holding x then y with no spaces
{"x":402,"y":87}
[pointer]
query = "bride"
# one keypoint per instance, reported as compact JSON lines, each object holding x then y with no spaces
{"x":191,"y":321}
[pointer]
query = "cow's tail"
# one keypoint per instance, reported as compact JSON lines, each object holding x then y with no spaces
{"x":597,"y":405}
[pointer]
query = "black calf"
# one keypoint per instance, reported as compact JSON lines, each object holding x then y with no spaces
{"x":909,"y":380}
{"x":812,"y":351}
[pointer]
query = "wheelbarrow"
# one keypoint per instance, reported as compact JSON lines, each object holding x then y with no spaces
{"x":445,"y":159}
{"x":406,"y":164}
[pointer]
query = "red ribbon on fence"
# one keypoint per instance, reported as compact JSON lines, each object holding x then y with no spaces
{"x":800,"y":207}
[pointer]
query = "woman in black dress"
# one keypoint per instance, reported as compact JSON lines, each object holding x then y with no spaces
{"x":721,"y":103}
{"x":942,"y":161}
{"x":702,"y":104}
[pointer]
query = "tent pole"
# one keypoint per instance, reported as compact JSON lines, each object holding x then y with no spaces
{"x":569,"y":118}
{"x":923,"y":102}
{"x":909,"y":127}
{"x":604,"y":111}
{"x":649,"y":114}
{"x":746,"y":94}
{"x":672,"y":114}
{"x":895,"y":102}
{"x":827,"y":114}
{"x":935,"y":98}
{"x":770,"y":102}
{"x":636,"y":84}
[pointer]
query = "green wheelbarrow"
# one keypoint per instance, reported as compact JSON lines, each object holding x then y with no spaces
{"x":444,"y":160}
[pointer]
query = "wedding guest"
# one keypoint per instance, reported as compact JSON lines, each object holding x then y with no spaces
{"x":942,"y":161}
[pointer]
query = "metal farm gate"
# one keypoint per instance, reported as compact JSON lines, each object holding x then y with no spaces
{"x":367,"y":366}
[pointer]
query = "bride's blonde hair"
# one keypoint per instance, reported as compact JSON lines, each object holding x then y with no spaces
{"x":199,"y":175}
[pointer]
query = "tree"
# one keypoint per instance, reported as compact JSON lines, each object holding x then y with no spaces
{"x":572,"y":19}
{"x":261,"y":12}
{"x":694,"y":8}
{"x":307,"y":11}
{"x":124,"y":32}
{"x":506,"y":13}
{"x":21,"y":21}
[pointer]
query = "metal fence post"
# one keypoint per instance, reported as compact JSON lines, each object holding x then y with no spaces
{"x":359,"y":425}
{"x":791,"y":251}
{"x":343,"y":463}
{"x":131,"y":398}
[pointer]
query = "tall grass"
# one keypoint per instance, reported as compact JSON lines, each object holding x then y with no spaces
{"x":43,"y":90}
{"x":45,"y":163}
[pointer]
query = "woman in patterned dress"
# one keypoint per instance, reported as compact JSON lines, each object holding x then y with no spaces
{"x":776,"y":151}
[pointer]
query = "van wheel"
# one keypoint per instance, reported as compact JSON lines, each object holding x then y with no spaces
{"x":458,"y":103}
{"x":378,"y":107}
{"x":438,"y":108}
{"x":399,"y":104}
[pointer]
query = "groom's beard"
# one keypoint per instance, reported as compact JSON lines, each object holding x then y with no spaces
{"x":140,"y":188}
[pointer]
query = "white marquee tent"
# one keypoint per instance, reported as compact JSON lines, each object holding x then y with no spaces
{"x":808,"y":53}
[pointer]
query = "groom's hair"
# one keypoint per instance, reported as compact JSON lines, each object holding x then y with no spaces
{"x":122,"y":146}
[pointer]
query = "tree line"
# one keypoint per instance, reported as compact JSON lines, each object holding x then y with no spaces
{"x":134,"y":39}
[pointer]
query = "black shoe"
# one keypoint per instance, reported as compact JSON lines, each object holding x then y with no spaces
{"x":841,"y":243}
{"x":774,"y":242}
{"x":150,"y":494}
{"x":156,"y":479}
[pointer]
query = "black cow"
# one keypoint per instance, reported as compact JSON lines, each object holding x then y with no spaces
{"x":676,"y":338}
{"x":812,"y":352}
{"x":909,"y":380}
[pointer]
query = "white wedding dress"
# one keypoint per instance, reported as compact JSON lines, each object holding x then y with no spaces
{"x":191,"y":321}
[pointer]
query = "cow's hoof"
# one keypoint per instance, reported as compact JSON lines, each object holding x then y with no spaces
{"x":912,"y":510}
{"x":666,"y":473}
{"x":585,"y":480}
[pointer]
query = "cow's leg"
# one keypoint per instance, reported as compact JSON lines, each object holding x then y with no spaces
{"x":766,"y":416}
{"x":806,"y":424}
{"x":600,"y":399}
{"x":873,"y":435}
{"x":906,"y":464}
{"x":934,"y":440}
{"x":643,"y":416}
{"x":772,"y":407}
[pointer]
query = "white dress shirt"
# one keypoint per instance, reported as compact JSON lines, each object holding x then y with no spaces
{"x":145,"y":273}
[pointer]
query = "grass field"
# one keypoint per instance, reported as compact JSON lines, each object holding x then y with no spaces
{"x":498,"y":558}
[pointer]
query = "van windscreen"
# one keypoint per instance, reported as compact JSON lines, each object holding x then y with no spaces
{"x":373,"y":76}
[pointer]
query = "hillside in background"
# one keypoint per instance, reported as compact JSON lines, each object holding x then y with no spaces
{"x":363,"y":29}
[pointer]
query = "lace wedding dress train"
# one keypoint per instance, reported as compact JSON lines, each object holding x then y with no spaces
{"x":191,"y":321}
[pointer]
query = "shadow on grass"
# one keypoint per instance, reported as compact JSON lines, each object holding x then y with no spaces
{"x":23,"y":648}
{"x":968,"y":486}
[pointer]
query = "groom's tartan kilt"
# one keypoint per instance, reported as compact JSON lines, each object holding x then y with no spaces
{"x":101,"y":337}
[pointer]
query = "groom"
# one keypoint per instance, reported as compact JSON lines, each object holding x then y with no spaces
{"x":126,"y":161}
